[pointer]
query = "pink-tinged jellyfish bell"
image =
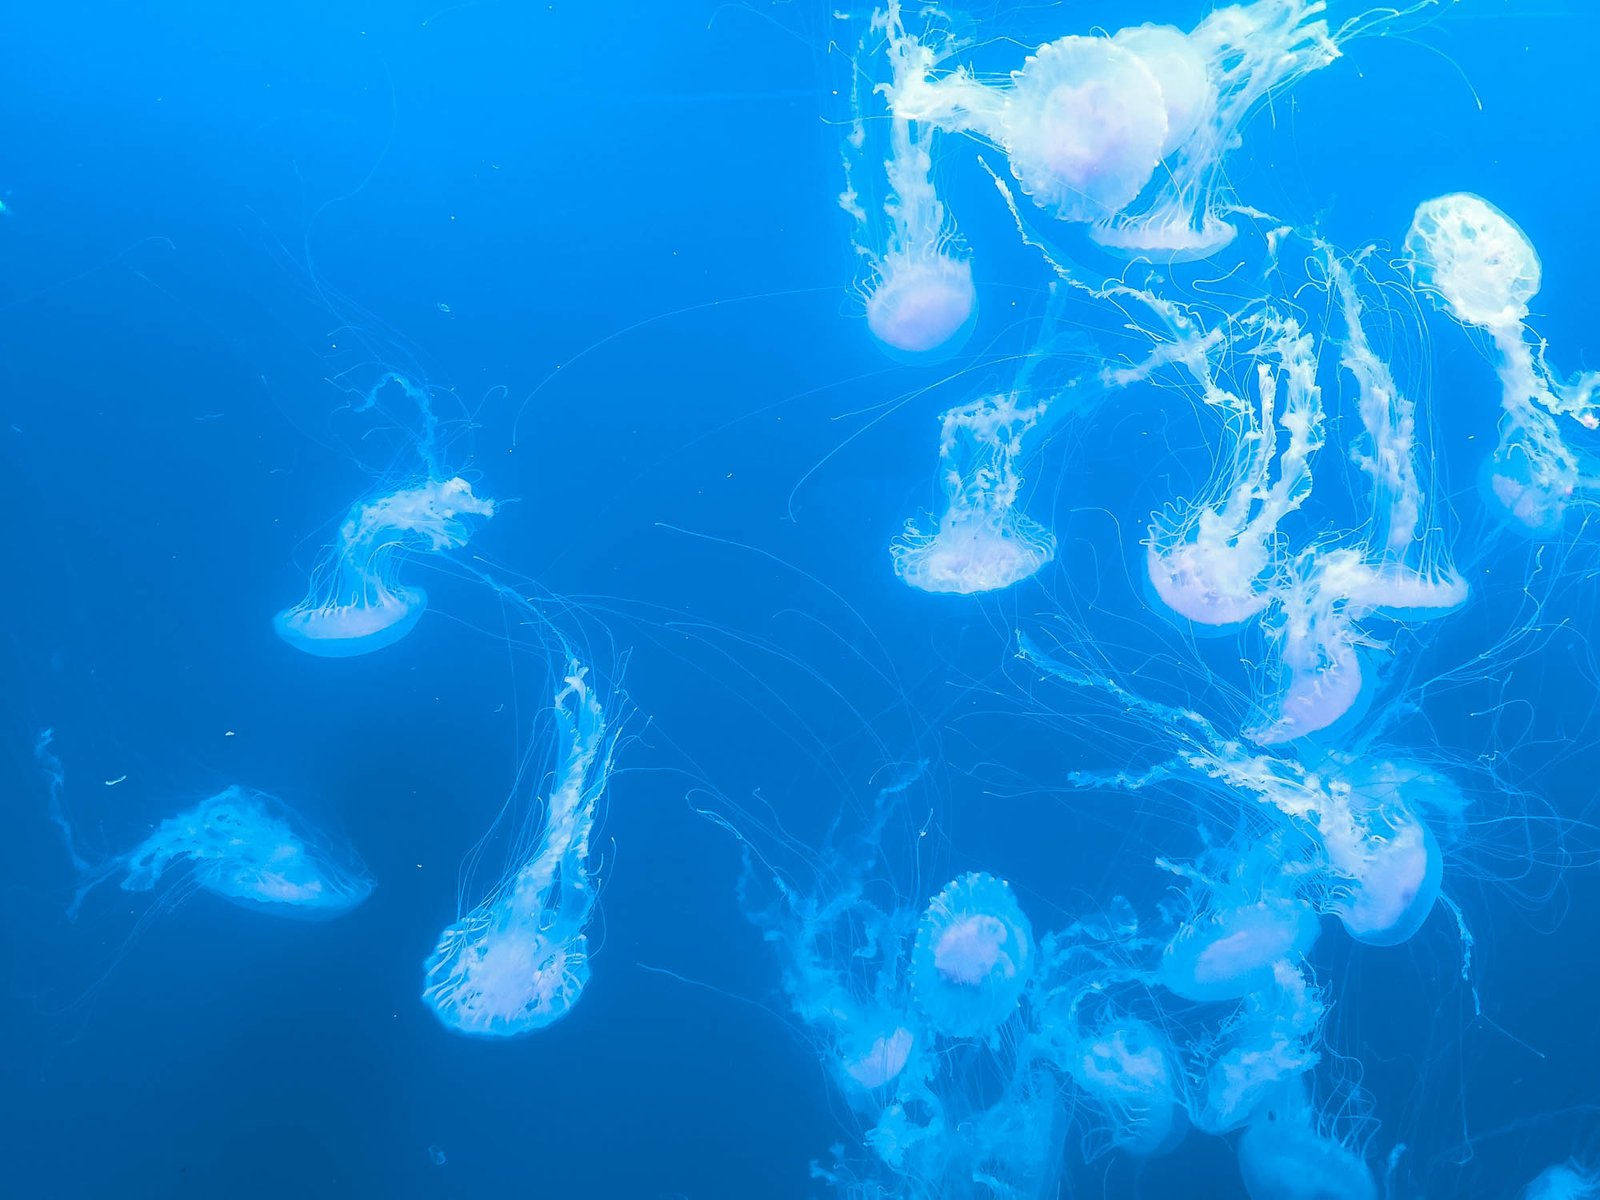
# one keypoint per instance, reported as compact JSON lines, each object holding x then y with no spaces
{"x":1395,"y":870}
{"x":1084,"y":126}
{"x":1230,"y":953}
{"x":922,"y":305}
{"x":1474,"y":259}
{"x":1210,"y":584}
{"x":972,"y":958}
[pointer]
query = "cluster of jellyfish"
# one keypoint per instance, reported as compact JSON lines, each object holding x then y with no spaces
{"x":516,"y":958}
{"x":969,"y":1045}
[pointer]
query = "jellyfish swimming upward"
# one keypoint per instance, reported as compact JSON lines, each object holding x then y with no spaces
{"x":1483,"y":271}
{"x":356,"y":603}
{"x":519,"y":960}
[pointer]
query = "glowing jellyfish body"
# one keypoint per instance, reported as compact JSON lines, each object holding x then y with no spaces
{"x":1124,"y":1065}
{"x":1385,"y":865}
{"x":1377,"y":865}
{"x":1208,"y":558}
{"x":1232,"y":952}
{"x":920,"y":298}
{"x":1398,"y":571}
{"x":982,"y":542}
{"x":1484,"y":271}
{"x":243,"y":846}
{"x":1282,"y":1156}
{"x":356,"y":604}
{"x":973,"y":956}
{"x":1475,"y":259}
{"x":1270,"y":1041}
{"x":1126,"y":134}
{"x":519,"y":961}
{"x":1083,"y":126}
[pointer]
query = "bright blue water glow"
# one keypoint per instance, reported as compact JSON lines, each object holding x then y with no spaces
{"x":1211,"y":816}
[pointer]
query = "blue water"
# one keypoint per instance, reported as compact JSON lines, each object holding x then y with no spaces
{"x":608,"y":237}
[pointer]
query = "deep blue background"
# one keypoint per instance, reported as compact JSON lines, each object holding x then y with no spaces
{"x":213,"y":211}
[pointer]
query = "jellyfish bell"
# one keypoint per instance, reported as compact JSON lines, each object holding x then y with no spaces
{"x":1388,"y":872}
{"x":345,"y":630}
{"x":1084,"y":126}
{"x":1282,"y":1156}
{"x":1127,"y":1067}
{"x":1180,"y":72}
{"x":498,"y":980}
{"x":876,"y":1060}
{"x":249,"y":848}
{"x":519,"y":960}
{"x":973,"y":553}
{"x":1474,"y":260}
{"x":1231,"y":952}
{"x":355,"y":604}
{"x":1530,"y":489}
{"x":972,"y":957}
{"x":922,"y":307}
{"x":1214,"y":585}
{"x":1389,"y":905}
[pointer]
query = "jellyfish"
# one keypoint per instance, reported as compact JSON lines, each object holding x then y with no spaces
{"x":1372,"y":862}
{"x":1231,"y":952}
{"x":1283,"y":1156}
{"x":243,"y":845}
{"x":356,"y":603}
{"x":973,"y":954}
{"x":1396,"y":569}
{"x":519,"y":960}
{"x":920,"y":298}
{"x":1564,"y":1181}
{"x":1126,"y":1067}
{"x":1126,"y":134}
{"x":913,"y":1007}
{"x":1210,"y":558}
{"x":1273,"y":1039}
{"x":1483,"y":271}
{"x":983,"y":543}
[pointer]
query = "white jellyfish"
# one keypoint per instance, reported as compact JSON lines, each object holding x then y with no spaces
{"x":1125,"y":1066}
{"x":519,"y":960}
{"x":1483,"y":270}
{"x":242,"y":845}
{"x":1127,"y":134}
{"x":1376,"y":865}
{"x":356,"y":603}
{"x":1272,"y":1039}
{"x":1210,"y":558}
{"x":982,"y":543}
{"x":1230,"y":952}
{"x":1396,"y":569}
{"x":920,"y":298}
